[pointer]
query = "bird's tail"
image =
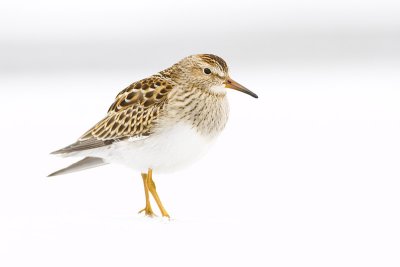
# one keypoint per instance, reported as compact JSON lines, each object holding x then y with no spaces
{"x":86,"y":163}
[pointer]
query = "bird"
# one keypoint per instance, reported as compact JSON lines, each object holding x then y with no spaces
{"x":160,"y":124}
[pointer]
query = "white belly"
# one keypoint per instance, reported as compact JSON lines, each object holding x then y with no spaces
{"x":166,"y":151}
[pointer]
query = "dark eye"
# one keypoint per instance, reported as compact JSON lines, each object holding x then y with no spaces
{"x":207,"y":71}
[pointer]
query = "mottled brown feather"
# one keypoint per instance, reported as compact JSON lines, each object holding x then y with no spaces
{"x":133,"y":114}
{"x":134,"y":110}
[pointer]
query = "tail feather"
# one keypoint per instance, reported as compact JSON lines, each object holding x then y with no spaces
{"x":84,"y":164}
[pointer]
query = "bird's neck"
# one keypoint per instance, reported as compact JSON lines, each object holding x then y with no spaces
{"x":173,"y":73}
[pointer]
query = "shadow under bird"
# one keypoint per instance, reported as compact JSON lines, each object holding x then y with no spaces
{"x":161,"y":123}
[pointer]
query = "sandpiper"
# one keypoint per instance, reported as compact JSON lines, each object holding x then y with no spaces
{"x":161,"y":123}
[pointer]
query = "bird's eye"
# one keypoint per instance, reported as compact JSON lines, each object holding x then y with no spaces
{"x":207,"y":71}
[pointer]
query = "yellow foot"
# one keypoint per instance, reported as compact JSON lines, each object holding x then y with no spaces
{"x":148,"y":212}
{"x":152,"y":188}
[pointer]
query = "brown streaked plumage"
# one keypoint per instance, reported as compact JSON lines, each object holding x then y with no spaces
{"x":215,"y":60}
{"x":131,"y":115}
{"x":160,"y":123}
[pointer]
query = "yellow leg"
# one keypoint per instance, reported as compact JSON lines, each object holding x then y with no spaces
{"x":147,"y":209}
{"x":152,"y":188}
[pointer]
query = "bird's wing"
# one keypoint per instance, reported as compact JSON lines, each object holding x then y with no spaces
{"x":132,"y":115}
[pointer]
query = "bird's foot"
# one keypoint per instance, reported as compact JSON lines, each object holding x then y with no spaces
{"x":165,"y":214}
{"x":148,"y":212}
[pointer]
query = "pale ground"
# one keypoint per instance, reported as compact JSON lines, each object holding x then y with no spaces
{"x":307,"y":175}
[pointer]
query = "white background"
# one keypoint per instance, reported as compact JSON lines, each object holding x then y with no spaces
{"x":306,"y":175}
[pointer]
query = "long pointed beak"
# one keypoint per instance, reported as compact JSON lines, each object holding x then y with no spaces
{"x":229,"y":83}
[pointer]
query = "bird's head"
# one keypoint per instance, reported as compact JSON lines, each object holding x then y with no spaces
{"x":209,"y":72}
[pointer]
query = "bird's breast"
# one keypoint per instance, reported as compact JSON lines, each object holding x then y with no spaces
{"x":207,"y":114}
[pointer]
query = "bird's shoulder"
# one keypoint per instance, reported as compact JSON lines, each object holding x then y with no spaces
{"x":146,"y":92}
{"x":134,"y":110}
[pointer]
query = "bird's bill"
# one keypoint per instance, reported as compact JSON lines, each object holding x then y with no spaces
{"x":229,"y":83}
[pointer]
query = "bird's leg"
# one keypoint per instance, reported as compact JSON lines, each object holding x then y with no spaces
{"x":147,"y":209}
{"x":152,"y":188}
